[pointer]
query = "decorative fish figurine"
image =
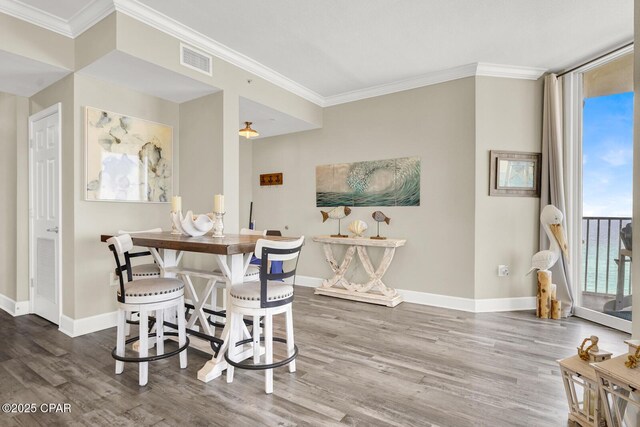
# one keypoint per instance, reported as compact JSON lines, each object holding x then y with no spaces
{"x":336,"y":213}
{"x":379,"y":217}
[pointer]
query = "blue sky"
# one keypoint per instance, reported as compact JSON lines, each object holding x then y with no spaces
{"x":608,"y":155}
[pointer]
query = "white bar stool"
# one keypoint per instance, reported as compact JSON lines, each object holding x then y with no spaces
{"x":144,"y":296}
{"x":264,"y":298}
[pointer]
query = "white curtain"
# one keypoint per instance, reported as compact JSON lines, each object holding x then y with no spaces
{"x":553,"y":183}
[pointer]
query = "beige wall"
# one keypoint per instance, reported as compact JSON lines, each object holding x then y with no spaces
{"x":200,"y":161}
{"x":436,"y":123}
{"x":459,"y":235}
{"x":21,"y":38}
{"x":246,"y":180}
{"x":508,"y":117}
{"x":144,"y":42}
{"x":22,"y":200}
{"x":14,"y":142}
{"x":96,"y":42}
{"x":93,"y":261}
{"x":201,"y":152}
{"x":86,"y":261}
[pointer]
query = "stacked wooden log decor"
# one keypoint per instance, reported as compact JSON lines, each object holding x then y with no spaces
{"x":548,"y":307}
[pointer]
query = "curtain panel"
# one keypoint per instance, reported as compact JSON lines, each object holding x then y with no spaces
{"x":553,"y":191}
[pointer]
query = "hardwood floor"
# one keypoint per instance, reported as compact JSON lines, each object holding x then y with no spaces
{"x":359,"y":365}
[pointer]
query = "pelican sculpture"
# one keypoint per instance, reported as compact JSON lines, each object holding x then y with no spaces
{"x":551,"y":220}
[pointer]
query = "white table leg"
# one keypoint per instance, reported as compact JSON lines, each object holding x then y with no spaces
{"x":373,"y":291}
{"x":375,"y":276}
{"x":233,"y":267}
{"x":338,"y":270}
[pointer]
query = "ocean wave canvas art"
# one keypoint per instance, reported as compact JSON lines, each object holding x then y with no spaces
{"x":127,"y":159}
{"x":392,"y":182}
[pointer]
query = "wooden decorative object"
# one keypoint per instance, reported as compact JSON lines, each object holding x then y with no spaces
{"x":380,"y":217}
{"x":544,"y":294}
{"x":556,"y":309}
{"x":271,"y":179}
{"x":337,"y":213}
{"x":633,"y":345}
{"x":619,"y":389}
{"x":581,"y":387}
{"x":374,"y":290}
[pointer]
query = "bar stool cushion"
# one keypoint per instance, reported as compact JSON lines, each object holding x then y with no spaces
{"x":145,"y":270}
{"x":152,"y":290}
{"x":248,"y":294}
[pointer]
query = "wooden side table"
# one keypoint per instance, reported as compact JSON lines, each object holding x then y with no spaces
{"x":581,"y":387}
{"x":374,"y":290}
{"x":619,"y":389}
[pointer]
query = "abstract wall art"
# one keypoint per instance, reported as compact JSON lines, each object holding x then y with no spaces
{"x":127,"y":159}
{"x":393,"y":182}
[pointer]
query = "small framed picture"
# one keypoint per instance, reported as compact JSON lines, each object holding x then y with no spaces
{"x":514,"y":174}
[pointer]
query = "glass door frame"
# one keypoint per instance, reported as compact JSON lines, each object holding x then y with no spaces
{"x":573,"y":114}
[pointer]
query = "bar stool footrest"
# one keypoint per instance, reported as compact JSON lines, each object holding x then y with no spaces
{"x":255,"y":367}
{"x":149,"y":358}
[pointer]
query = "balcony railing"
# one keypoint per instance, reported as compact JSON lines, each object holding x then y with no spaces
{"x":600,"y":249}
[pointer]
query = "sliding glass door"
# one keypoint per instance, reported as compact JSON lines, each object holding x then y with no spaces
{"x":603,"y":132}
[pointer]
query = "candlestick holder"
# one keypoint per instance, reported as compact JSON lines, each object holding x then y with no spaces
{"x":173,"y":215}
{"x":218,"y":224}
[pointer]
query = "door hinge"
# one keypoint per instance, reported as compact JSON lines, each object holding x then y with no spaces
{"x":32,"y":284}
{"x":31,"y":143}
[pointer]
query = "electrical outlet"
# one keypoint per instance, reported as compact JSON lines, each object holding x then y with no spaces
{"x":503,"y":270}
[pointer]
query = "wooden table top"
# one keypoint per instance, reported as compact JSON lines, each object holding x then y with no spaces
{"x":230,"y":244}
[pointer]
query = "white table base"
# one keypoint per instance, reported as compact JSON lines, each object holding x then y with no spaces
{"x":374,"y":291}
{"x":233,"y":267}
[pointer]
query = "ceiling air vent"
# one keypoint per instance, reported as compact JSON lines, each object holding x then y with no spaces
{"x":195,"y":59}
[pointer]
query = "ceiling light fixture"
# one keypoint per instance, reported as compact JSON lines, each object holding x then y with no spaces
{"x":247,"y":132}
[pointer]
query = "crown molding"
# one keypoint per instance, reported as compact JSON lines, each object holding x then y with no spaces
{"x":99,"y":9}
{"x":90,"y":15}
{"x":76,"y":25}
{"x":509,"y":71}
{"x":35,"y":16}
{"x":436,"y":77}
{"x":161,"y":22}
{"x":470,"y":70}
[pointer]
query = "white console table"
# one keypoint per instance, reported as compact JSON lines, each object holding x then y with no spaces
{"x":374,"y":290}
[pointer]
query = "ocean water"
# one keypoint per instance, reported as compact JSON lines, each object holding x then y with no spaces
{"x":596,"y":243}
{"x":407,"y":194}
{"x":403,"y":188}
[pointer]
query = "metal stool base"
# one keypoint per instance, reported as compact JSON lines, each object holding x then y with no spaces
{"x":253,"y":366}
{"x":149,"y":358}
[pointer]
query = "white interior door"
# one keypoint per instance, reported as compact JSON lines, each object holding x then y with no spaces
{"x":45,"y":213}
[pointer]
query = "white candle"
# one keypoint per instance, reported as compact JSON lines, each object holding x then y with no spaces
{"x":176,"y":204}
{"x":218,"y":203}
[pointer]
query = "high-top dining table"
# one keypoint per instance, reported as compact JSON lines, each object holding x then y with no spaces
{"x":232,"y":254}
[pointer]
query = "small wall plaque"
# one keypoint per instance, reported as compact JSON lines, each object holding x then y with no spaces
{"x":271,"y":179}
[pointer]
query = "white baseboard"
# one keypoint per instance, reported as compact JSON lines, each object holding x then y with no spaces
{"x":14,"y":308}
{"x":485,"y":305}
{"x":437,"y":300}
{"x":446,"y":301}
{"x":86,"y":325}
{"x":308,"y":281}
